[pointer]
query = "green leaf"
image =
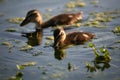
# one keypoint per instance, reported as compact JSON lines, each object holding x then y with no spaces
{"x":19,"y":67}
{"x":91,"y":45}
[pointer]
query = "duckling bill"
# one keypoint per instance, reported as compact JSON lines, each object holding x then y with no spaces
{"x":34,"y":16}
{"x":61,"y":39}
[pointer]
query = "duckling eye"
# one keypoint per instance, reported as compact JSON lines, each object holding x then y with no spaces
{"x":62,"y":33}
{"x":33,"y":15}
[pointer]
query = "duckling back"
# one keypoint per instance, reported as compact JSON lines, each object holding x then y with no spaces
{"x":78,"y":37}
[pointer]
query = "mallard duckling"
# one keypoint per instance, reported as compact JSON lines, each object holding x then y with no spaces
{"x":61,"y":39}
{"x":61,"y":19}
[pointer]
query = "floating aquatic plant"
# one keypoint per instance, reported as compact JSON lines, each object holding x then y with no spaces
{"x":19,"y":73}
{"x":18,"y":76}
{"x":90,"y":67}
{"x":49,"y":37}
{"x":6,"y":43}
{"x":116,"y":30}
{"x":48,"y":43}
{"x":11,"y":29}
{"x":94,"y":2}
{"x":118,"y":41}
{"x":102,"y":56}
{"x":22,"y":66}
{"x":80,"y":4}
{"x":15,"y":20}
{"x":72,"y":67}
{"x":26,"y":47}
{"x":100,"y":19}
{"x":77,"y":24}
{"x":73,"y":4}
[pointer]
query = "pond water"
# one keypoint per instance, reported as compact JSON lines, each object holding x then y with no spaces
{"x":49,"y":65}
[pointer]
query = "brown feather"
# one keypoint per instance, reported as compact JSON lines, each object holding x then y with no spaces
{"x":61,"y":39}
{"x":61,"y":19}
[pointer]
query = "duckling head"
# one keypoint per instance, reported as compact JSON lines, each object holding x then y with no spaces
{"x":33,"y":16}
{"x":59,"y":37}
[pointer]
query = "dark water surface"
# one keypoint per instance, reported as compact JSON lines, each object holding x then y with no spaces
{"x":48,"y":67}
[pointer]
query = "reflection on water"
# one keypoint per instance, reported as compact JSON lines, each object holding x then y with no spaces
{"x":59,"y":54}
{"x":47,"y":67}
{"x":34,"y":38}
{"x":99,"y":63}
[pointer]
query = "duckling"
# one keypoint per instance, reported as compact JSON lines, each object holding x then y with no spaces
{"x":34,"y":16}
{"x":61,"y":39}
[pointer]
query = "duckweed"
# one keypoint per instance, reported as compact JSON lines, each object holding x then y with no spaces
{"x":77,"y":24}
{"x":81,"y":4}
{"x":50,"y":38}
{"x":100,"y":19}
{"x":116,"y":30}
{"x":6,"y":43}
{"x":11,"y":29}
{"x":26,"y":47}
{"x":95,"y":23}
{"x":94,"y":2}
{"x":117,"y":41}
{"x":22,"y":66}
{"x":15,"y":20}
{"x":73,"y":4}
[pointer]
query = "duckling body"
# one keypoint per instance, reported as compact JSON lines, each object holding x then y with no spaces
{"x":61,"y":19}
{"x":61,"y":39}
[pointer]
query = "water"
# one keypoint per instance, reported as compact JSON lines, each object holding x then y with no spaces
{"x":48,"y":67}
